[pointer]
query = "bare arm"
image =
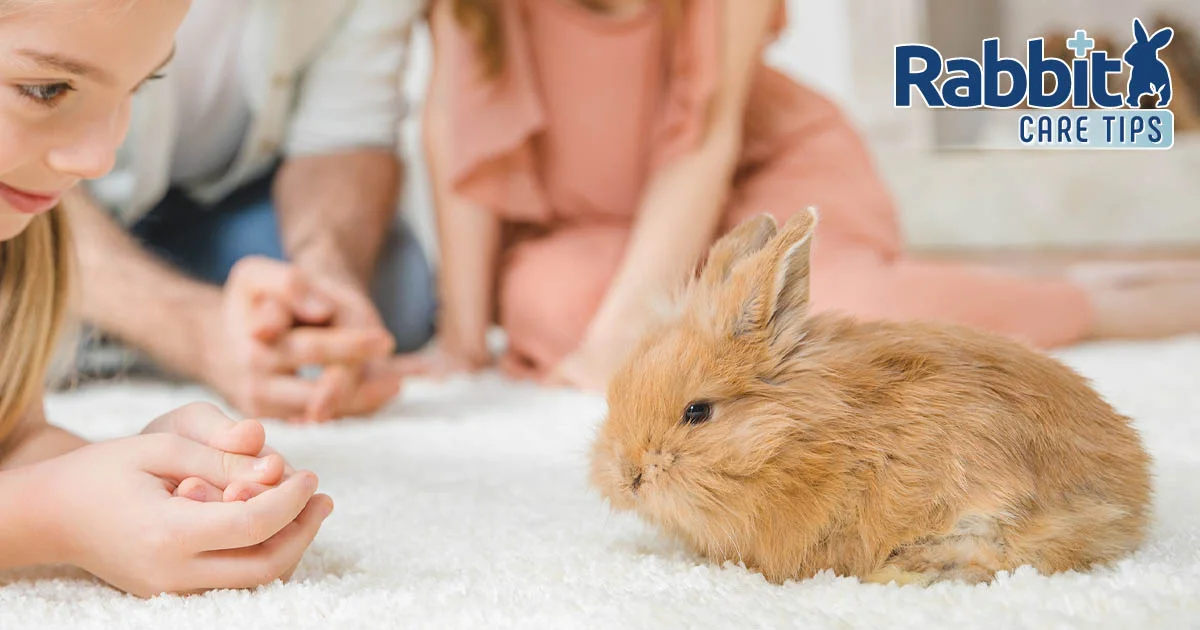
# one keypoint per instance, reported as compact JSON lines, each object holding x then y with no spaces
{"x":129,"y":293}
{"x":682,"y":206}
{"x":23,"y":537}
{"x":33,"y":440}
{"x":468,"y":236}
{"x":335,"y":210}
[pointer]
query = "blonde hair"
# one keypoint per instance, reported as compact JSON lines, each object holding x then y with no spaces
{"x":34,"y":295}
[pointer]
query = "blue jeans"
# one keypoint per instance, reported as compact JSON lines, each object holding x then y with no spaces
{"x":206,"y":242}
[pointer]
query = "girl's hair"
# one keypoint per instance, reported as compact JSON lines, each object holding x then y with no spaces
{"x":481,"y":19}
{"x":34,"y":295}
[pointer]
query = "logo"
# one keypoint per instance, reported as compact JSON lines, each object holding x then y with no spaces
{"x":1107,"y":121}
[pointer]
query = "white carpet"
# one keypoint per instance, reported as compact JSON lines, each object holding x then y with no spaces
{"x":465,"y":506}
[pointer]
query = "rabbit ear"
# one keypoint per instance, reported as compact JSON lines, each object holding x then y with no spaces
{"x":747,"y":238}
{"x":775,"y":290}
{"x":1139,"y":31}
{"x":1162,"y":37}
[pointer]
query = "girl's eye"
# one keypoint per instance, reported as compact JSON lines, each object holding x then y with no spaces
{"x":47,"y":94}
{"x":697,"y":412}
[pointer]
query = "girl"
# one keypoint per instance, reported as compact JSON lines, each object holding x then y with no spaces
{"x":585,"y":153}
{"x":148,"y":513}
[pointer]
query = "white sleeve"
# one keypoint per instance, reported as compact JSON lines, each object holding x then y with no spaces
{"x":351,"y":95}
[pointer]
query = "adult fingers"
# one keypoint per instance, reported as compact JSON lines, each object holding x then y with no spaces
{"x":330,"y":345}
{"x":256,"y":276}
{"x":334,"y":389}
{"x":276,"y":558}
{"x":377,"y":389}
{"x":234,"y":525}
{"x":175,"y":457}
{"x":281,"y":396}
{"x":268,"y":319}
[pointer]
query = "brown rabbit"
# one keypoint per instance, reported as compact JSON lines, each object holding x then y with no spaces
{"x":908,"y":452}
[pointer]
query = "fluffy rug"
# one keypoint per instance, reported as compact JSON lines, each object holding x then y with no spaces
{"x":465,"y":506}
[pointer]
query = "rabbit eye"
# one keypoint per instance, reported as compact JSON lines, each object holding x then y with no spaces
{"x":697,"y":412}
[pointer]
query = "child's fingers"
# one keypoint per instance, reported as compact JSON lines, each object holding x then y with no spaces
{"x":197,"y":489}
{"x":243,"y":491}
{"x":175,"y":457}
{"x":210,"y":426}
{"x":234,"y":525}
{"x":275,"y":558}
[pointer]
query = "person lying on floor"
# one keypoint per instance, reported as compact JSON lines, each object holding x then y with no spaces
{"x":584,"y":154}
{"x":195,"y":501}
{"x":272,"y":137}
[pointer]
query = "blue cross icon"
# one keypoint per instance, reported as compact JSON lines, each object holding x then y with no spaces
{"x":1081,"y":43}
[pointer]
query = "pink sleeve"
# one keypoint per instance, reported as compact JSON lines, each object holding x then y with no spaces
{"x":491,"y":122}
{"x":694,"y":78}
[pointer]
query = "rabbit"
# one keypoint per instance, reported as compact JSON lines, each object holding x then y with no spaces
{"x":913,"y":453}
{"x":1149,"y":75}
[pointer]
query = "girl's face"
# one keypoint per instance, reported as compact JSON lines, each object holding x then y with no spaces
{"x":68,"y":69}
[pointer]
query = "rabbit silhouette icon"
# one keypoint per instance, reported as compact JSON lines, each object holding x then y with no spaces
{"x":1148,"y":74}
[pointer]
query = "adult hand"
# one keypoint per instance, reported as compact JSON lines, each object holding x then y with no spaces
{"x":112,"y":511}
{"x":353,"y":389}
{"x":273,"y":321}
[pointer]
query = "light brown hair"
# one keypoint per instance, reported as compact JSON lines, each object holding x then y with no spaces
{"x":481,"y":18}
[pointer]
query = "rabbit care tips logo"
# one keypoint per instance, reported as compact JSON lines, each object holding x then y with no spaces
{"x":1087,"y":115}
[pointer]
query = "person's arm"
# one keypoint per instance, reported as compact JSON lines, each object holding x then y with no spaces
{"x":338,"y":188}
{"x":335,"y":211}
{"x":34,"y":440}
{"x":468,"y":236}
{"x":682,"y":206}
{"x":129,"y":293}
{"x":23,"y":536}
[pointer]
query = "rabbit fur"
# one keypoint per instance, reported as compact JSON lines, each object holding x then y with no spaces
{"x":908,"y":452}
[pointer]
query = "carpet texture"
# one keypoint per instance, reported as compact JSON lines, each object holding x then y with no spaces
{"x":465,"y":506}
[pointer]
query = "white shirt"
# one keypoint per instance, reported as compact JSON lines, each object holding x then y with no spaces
{"x":211,"y":106}
{"x":320,"y":76}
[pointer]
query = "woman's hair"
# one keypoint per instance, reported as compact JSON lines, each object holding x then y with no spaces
{"x":34,"y":293}
{"x":481,"y":19}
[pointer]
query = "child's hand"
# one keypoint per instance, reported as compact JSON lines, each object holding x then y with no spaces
{"x":110,"y":510}
{"x":584,"y":369}
{"x":206,"y":424}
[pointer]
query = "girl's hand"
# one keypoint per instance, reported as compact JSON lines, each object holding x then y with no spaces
{"x":580,"y":370}
{"x":592,"y":365}
{"x":589,"y":368}
{"x":111,"y":508}
{"x":207,"y":425}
